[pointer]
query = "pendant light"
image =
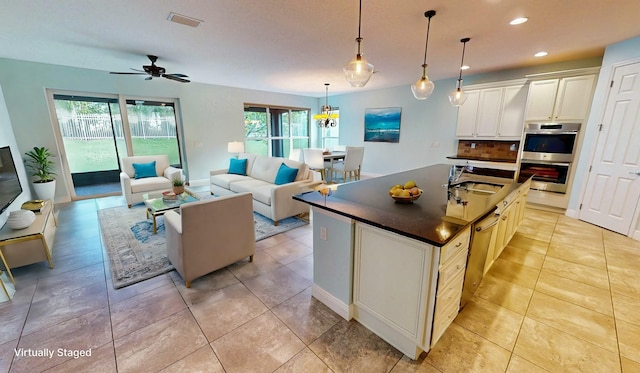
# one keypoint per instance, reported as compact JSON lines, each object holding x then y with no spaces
{"x":423,"y":87}
{"x":358,"y":71}
{"x":326,"y":119}
{"x":458,"y":97}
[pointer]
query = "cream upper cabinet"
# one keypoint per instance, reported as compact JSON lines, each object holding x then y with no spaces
{"x":467,"y":115}
{"x":493,"y":113}
{"x":562,"y":99}
{"x":513,"y":104}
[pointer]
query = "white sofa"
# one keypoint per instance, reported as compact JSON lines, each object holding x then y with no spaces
{"x":271,"y":200}
{"x":133,"y":189}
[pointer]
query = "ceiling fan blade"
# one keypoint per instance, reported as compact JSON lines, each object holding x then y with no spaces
{"x":138,"y":70}
{"x":127,"y":73}
{"x":177,"y":77}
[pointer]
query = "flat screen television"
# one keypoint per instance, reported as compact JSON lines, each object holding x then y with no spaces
{"x":10,"y":187}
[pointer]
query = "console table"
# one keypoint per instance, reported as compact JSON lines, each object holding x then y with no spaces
{"x":29,"y":245}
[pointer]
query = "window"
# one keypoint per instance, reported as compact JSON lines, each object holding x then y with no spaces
{"x":331,"y":135}
{"x":152,"y":125}
{"x":275,"y":131}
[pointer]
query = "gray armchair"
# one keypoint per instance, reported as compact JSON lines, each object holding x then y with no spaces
{"x":211,"y":234}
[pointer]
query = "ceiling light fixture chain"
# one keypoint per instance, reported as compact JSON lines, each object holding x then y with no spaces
{"x":423,"y":88}
{"x":358,"y":71}
{"x":458,"y":96}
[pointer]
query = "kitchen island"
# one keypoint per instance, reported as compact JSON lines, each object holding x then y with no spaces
{"x":399,"y":268}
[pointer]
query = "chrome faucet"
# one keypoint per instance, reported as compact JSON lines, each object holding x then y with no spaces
{"x":455,"y":173}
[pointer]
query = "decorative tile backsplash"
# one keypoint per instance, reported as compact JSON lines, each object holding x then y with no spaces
{"x":489,"y":150}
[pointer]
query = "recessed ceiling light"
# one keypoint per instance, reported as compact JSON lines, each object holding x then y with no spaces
{"x":464,"y":67}
{"x":518,"y":21}
{"x":184,"y":20}
{"x":540,"y":54}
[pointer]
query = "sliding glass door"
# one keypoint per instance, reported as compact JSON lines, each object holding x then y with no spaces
{"x":96,"y":132}
{"x":93,"y":139}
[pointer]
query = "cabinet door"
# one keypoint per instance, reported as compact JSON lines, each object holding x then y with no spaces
{"x":467,"y":115}
{"x":502,"y":235}
{"x":489,"y":110}
{"x":574,"y":98}
{"x":513,"y":104}
{"x":542,"y":96}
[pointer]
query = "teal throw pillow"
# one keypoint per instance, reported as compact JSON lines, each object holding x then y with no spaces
{"x":238,"y":166}
{"x":286,"y":174}
{"x":143,"y":170}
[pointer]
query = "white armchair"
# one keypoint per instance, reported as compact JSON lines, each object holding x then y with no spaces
{"x":210,"y":234}
{"x":134,"y":188}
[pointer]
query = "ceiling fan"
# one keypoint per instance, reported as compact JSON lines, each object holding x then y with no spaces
{"x":155,"y":72}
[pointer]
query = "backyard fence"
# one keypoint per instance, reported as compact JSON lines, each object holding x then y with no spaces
{"x":98,"y":126}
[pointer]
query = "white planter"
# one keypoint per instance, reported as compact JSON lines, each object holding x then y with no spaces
{"x":45,"y":191}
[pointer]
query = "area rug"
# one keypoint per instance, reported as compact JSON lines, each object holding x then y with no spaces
{"x":136,"y":254}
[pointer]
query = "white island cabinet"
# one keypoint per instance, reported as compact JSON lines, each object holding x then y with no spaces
{"x":404,"y":290}
{"x":394,"y":287}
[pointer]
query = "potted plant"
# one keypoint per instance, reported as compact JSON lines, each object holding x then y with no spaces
{"x":178,"y":186}
{"x":40,"y":164}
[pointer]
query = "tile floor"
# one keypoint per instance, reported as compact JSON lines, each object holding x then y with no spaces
{"x":563,"y":296}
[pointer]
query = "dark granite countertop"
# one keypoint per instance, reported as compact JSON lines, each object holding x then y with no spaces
{"x":436,"y":217}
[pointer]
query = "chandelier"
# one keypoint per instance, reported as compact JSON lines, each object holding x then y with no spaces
{"x":326,"y":118}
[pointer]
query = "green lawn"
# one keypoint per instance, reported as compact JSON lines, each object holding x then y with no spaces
{"x":99,"y":155}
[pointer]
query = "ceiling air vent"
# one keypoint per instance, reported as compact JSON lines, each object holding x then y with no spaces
{"x":184,"y":20}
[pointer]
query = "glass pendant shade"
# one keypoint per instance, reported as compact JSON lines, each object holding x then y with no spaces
{"x":358,"y":71}
{"x":423,"y":88}
{"x":458,"y":97}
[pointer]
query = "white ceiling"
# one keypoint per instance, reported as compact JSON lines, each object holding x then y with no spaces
{"x":295,"y":46}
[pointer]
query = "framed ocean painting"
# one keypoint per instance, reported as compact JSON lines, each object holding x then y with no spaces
{"x":382,"y":124}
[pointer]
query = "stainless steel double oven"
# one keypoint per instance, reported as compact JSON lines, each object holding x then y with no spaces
{"x":548,"y":152}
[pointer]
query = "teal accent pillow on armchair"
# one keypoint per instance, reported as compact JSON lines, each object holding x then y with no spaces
{"x":143,"y":170}
{"x":286,"y":174}
{"x":238,"y":166}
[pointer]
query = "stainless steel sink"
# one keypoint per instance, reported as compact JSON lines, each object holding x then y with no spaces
{"x":478,"y":187}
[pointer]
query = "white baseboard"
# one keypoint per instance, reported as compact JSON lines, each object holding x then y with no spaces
{"x":336,"y":305}
{"x":572,"y":213}
{"x":636,"y":235}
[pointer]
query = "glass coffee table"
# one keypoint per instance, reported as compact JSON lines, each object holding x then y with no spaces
{"x":157,"y":204}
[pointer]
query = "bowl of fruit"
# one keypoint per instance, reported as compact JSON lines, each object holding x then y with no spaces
{"x":405,"y":193}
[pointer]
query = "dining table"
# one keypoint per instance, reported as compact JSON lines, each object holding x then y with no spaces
{"x":333,"y":156}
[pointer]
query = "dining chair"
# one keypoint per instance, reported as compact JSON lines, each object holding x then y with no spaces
{"x":315,"y":160}
{"x":352,"y":163}
{"x":295,"y":155}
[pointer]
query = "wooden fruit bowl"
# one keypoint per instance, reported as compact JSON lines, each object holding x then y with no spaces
{"x":409,"y":199}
